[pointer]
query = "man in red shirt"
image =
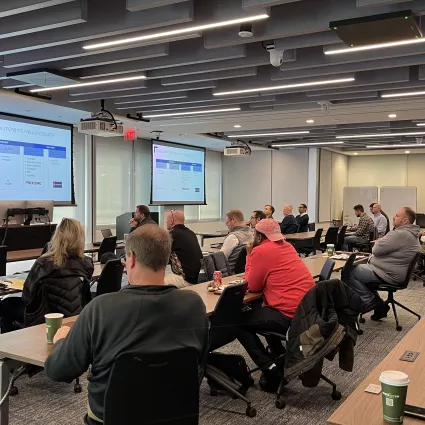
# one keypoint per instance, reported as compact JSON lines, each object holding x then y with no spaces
{"x":274,"y":267}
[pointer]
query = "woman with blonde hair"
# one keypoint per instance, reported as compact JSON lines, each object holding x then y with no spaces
{"x":58,"y":282}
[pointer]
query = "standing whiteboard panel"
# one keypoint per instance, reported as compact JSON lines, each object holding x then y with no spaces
{"x":392,"y":198}
{"x":363,"y":195}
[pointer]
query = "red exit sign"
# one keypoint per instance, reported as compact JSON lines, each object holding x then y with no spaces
{"x":130,"y":134}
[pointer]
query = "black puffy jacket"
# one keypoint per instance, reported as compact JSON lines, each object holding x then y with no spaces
{"x":52,"y":289}
{"x":325,"y":322}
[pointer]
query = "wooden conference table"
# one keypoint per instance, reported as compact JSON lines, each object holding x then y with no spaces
{"x":33,"y":254}
{"x":363,"y":408}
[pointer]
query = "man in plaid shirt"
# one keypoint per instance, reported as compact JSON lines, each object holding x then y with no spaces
{"x":363,"y":231}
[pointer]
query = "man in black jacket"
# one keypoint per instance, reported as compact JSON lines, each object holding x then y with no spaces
{"x":145,"y":317}
{"x":142,"y":216}
{"x":302,"y":218}
{"x":289,"y":225}
{"x":185,"y":246}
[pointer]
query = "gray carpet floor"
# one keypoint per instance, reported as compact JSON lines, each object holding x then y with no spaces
{"x":42,"y":402}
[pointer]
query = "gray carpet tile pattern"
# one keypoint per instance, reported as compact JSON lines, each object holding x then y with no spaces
{"x":42,"y":402}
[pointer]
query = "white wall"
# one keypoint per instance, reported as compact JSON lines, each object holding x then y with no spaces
{"x":389,"y":170}
{"x":266,"y":177}
{"x":339,"y":181}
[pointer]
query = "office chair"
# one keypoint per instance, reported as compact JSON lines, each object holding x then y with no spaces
{"x":331,"y":238}
{"x":419,"y":272}
{"x":392,"y":289}
{"x":3,"y":260}
{"x":367,"y":246}
{"x":107,"y":245}
{"x":215,"y":262}
{"x":148,"y":389}
{"x":327,"y":270}
{"x":241,"y":262}
{"x":420,"y":220}
{"x":110,"y":278}
{"x":298,"y":229}
{"x":315,"y":246}
{"x":311,"y":227}
{"x":340,"y":239}
{"x":227,"y":312}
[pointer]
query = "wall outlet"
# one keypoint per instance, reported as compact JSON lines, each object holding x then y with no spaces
{"x":409,"y":356}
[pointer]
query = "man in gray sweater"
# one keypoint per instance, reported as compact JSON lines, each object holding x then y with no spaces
{"x":390,"y":260}
{"x":146,"y":317}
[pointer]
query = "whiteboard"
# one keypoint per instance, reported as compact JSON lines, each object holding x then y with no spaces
{"x":392,"y":198}
{"x":354,"y":195}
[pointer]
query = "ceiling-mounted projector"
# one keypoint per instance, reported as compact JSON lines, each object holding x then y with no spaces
{"x":101,"y":127}
{"x":236,"y":151}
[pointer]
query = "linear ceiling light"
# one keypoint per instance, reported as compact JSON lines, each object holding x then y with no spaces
{"x":367,"y":136}
{"x":407,"y":145}
{"x":375,"y":46}
{"x":287,"y":86}
{"x":178,"y":114}
{"x":283,"y":145}
{"x":288,"y":133}
{"x":421,"y":124}
{"x":150,"y":100}
{"x":93,"y":83}
{"x":411,"y":93}
{"x":176,"y":32}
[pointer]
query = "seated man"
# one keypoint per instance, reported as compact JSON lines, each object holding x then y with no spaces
{"x":390,"y":260}
{"x":256,"y":216}
{"x":302,"y":218}
{"x":379,"y":221}
{"x":145,"y":317}
{"x":269,"y":211}
{"x":363,"y":230}
{"x":185,"y":251}
{"x":238,"y":237}
{"x":274,"y":267}
{"x":289,"y":225}
{"x":142,"y":216}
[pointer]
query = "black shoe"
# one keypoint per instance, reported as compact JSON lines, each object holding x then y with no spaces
{"x":380,"y":312}
{"x":270,"y":380}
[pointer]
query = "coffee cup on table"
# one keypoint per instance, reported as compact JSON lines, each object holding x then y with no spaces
{"x":53,"y":324}
{"x":394,"y":391}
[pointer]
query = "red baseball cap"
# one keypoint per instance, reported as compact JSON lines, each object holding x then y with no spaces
{"x":270,"y":228}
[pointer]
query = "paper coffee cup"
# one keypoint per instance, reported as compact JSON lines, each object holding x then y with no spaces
{"x":53,"y":323}
{"x":126,"y":235}
{"x":394,"y":391}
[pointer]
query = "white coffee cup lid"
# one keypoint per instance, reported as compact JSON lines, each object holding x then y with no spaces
{"x":394,"y":377}
{"x":53,"y":315}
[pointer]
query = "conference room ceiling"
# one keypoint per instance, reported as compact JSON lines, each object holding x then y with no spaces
{"x":191,"y":68}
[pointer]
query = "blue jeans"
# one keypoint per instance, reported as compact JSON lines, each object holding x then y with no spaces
{"x":353,"y":241}
{"x":363,"y":280}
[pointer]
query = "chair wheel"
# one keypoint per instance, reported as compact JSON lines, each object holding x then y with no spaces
{"x":399,"y":328}
{"x":362,"y":320}
{"x":77,"y":388}
{"x":251,"y":412}
{"x":280,"y":404}
{"x":336,"y":395}
{"x":13,"y":391}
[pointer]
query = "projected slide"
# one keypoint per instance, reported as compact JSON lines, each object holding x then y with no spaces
{"x":35,"y":161}
{"x":178,"y":174}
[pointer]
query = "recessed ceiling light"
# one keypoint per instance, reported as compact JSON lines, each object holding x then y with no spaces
{"x":237,"y":126}
{"x":310,"y":121}
{"x":392,"y":116}
{"x":407,"y":145}
{"x":92,"y":83}
{"x":406,"y":151}
{"x":287,"y":133}
{"x":178,"y":114}
{"x":287,"y":86}
{"x":176,"y":32}
{"x":355,"y":153}
{"x":420,"y":124}
{"x":402,"y":94}
{"x":282,"y":145}
{"x":367,"y":136}
{"x":375,"y":46}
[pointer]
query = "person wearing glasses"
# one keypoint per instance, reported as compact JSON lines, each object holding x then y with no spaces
{"x":302,"y":218}
{"x":256,"y":216}
{"x":142,"y":216}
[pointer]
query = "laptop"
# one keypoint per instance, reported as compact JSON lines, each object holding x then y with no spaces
{"x":107,"y":233}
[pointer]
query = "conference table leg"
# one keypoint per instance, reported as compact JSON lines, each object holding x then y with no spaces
{"x":4,"y":384}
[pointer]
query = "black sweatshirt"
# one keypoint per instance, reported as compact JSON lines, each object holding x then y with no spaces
{"x":147,"y":319}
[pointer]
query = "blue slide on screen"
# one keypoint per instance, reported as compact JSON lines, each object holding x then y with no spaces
{"x":178,"y":174}
{"x":35,"y":160}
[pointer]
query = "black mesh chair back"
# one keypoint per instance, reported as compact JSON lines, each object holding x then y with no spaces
{"x":298,"y":228}
{"x":341,"y":237}
{"x":327,"y":270}
{"x":316,"y":239}
{"x":420,"y":220}
{"x":148,"y":389}
{"x":241,"y":262}
{"x":331,"y":237}
{"x":349,"y":265}
{"x":108,"y":245}
{"x":311,"y":227}
{"x":221,"y":264}
{"x":110,"y":278}
{"x":3,"y":260}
